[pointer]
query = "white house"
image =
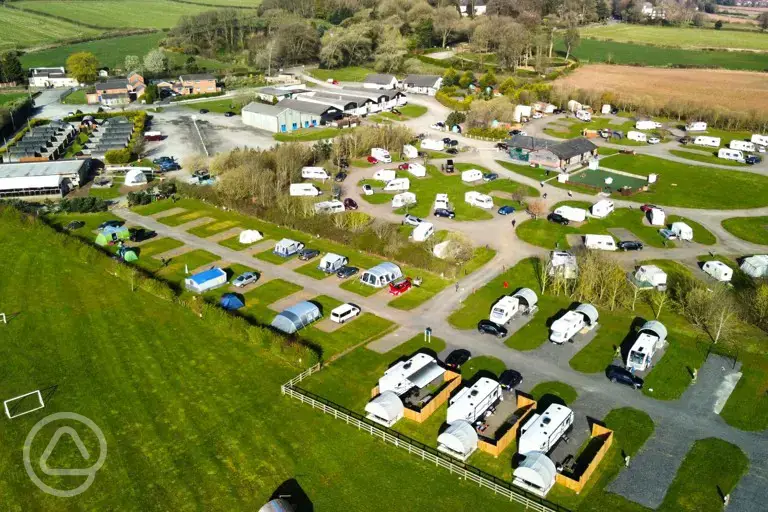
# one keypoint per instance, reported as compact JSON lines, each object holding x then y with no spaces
{"x":50,"y":77}
{"x":718,"y":270}
{"x":471,"y":403}
{"x":380,"y":81}
{"x":542,"y":432}
{"x":682,"y":230}
{"x":650,"y":338}
{"x":755,"y":266}
{"x":422,"y":84}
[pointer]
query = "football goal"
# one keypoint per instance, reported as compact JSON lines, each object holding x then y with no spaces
{"x":24,"y":404}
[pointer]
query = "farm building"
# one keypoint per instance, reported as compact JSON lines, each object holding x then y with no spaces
{"x":381,"y":275}
{"x":278,"y":118}
{"x":206,"y":280}
{"x":118,"y":91}
{"x":42,"y":178}
{"x":380,"y":81}
{"x":755,"y":266}
{"x":275,"y":94}
{"x":46,"y":142}
{"x":296,"y":317}
{"x":422,"y":84}
{"x":549,"y":153}
{"x":113,"y":133}
{"x":202,"y":83}
{"x":50,"y":77}
{"x":357,"y":101}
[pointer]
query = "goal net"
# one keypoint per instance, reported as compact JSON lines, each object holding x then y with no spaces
{"x":23,"y":404}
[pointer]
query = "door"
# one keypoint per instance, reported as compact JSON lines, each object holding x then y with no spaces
{"x":295,"y":126}
{"x":282,"y":128}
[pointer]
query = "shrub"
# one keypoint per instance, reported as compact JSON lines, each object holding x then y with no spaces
{"x":489,"y":133}
{"x":118,"y":156}
{"x":83,"y":205}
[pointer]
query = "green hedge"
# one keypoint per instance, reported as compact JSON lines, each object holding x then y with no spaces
{"x":446,"y":99}
{"x":197,"y":96}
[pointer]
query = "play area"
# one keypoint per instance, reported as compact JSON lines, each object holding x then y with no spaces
{"x":597,"y":178}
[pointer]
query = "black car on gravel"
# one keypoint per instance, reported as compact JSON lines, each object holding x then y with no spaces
{"x":617,"y":374}
{"x":488,"y":327}
{"x":445,"y":213}
{"x":346,"y":271}
{"x":308,"y":254}
{"x":457,"y":358}
{"x":630,"y":245}
{"x":557,"y":219}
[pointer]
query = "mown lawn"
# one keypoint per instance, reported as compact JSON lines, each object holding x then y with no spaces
{"x":560,"y":390}
{"x":747,"y":407}
{"x":11,"y":96}
{"x":483,"y":365}
{"x":76,"y":97}
{"x":707,"y":158}
{"x":751,"y":229}
{"x":570,"y":128}
{"x":348,"y":74}
{"x":220,"y":106}
{"x":307,"y":134}
{"x":681,"y":37}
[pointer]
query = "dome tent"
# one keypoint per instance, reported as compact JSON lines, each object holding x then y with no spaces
{"x":112,"y":234}
{"x":655,"y":327}
{"x":250,"y":236}
{"x":231,"y":302}
{"x":134,"y":178}
{"x":535,"y":473}
{"x":589,"y":311}
{"x":527,"y":295}
{"x":127,"y":254}
{"x":386,"y":409}
{"x":459,"y":440}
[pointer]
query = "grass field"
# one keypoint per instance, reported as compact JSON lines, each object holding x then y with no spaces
{"x":678,"y":36}
{"x":11,"y":96}
{"x":349,"y":74}
{"x":220,"y":106}
{"x":227,"y":3}
{"x":23,"y":29}
{"x":307,"y":134}
{"x":561,"y":390}
{"x":76,"y":97}
{"x":706,"y":158}
{"x":751,"y":229}
{"x":114,"y":14}
{"x":571,"y":128}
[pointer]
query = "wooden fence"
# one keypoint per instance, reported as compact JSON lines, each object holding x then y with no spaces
{"x":413,"y":447}
{"x":578,"y":485}
{"x":499,"y":445}
{"x":452,"y":378}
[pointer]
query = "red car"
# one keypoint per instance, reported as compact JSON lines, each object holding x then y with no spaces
{"x":403,"y":167}
{"x":400,"y":286}
{"x":350,"y":204}
{"x":372,"y":160}
{"x":647,"y":207}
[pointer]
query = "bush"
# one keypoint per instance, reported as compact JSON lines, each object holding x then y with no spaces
{"x":83,"y":205}
{"x":455,"y":118}
{"x":139,"y":198}
{"x":489,"y":133}
{"x":197,"y":96}
{"x":444,"y":97}
{"x":118,"y":156}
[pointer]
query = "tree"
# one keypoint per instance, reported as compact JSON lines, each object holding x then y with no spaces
{"x":156,"y":61}
{"x":446,"y":20}
{"x":572,"y":39}
{"x":712,"y":311}
{"x":151,"y":94}
{"x":450,"y":78}
{"x":467,"y":78}
{"x":391,"y":52}
{"x":718,"y":23}
{"x":83,"y":66}
{"x":10,"y":68}
{"x":602,"y":10}
{"x":347,"y":46}
{"x":455,"y":118}
{"x":132,"y":64}
{"x":488,"y":79}
{"x":762,"y":20}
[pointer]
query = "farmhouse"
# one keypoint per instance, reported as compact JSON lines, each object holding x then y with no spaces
{"x":422,"y":84}
{"x":118,"y":91}
{"x":380,"y":81}
{"x":54,"y":179}
{"x":50,"y":77}
{"x":198,"y":84}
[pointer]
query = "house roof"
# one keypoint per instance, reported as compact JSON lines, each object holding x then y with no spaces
{"x":530,"y":143}
{"x":379,"y":79}
{"x":306,"y":106}
{"x":262,"y":108}
{"x":117,"y":83}
{"x":198,"y":76}
{"x":30,"y":169}
{"x":573,"y":147}
{"x":421,"y":80}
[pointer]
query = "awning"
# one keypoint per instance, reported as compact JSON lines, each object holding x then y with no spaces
{"x":386,"y":406}
{"x":426,"y":374}
{"x":655,"y":327}
{"x":589,"y":311}
{"x":460,"y":438}
{"x":536,"y":473}
{"x":528,"y":295}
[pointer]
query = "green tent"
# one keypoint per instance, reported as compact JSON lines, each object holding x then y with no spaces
{"x":129,"y":256}
{"x":112,"y":234}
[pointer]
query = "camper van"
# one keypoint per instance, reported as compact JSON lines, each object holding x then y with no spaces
{"x":382,"y":155}
{"x":602,"y":208}
{"x":344,"y":312}
{"x":637,"y":136}
{"x":718,"y":270}
{"x":329,"y":207}
{"x":410,"y":152}
{"x":470,"y":403}
{"x":647,"y":125}
{"x":603,"y":242}
{"x":542,"y":432}
{"x":584,"y":115}
{"x":572,"y":323}
{"x":304,"y":189}
{"x":712,"y":142}
{"x":431,"y":144}
{"x":697,"y":126}
{"x":742,"y":145}
{"x":385,"y":175}
{"x":523,"y":300}
{"x":650,"y":338}
{"x":403,"y":199}
{"x":330,"y":263}
{"x":477,"y":199}
{"x":441,"y":201}
{"x":657,"y":217}
{"x":397,"y":184}
{"x":730,"y":154}
{"x":314,"y":173}
{"x":471,"y":175}
{"x":760,"y":140}
{"x":682,"y":230}
{"x":423,"y":231}
{"x":417,"y":170}
{"x":571,"y":213}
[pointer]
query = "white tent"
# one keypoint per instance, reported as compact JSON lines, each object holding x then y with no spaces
{"x":134,"y":178}
{"x":755,"y":266}
{"x":572,"y":214}
{"x":331,"y":262}
{"x":250,"y":236}
{"x":682,"y":230}
{"x":536,"y":473}
{"x":528,"y":296}
{"x":403,"y":199}
{"x":655,"y":327}
{"x":381,"y":275}
{"x":459,"y":440}
{"x":589,"y":311}
{"x":386,"y":409}
{"x":471,"y":175}
{"x":287,"y":247}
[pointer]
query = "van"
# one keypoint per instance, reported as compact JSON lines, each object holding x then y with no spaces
{"x":344,"y":312}
{"x":314,"y":173}
{"x":398,"y":184}
{"x":384,"y":175}
{"x":584,"y":115}
{"x":712,"y":142}
{"x":637,"y":136}
{"x":602,"y":242}
{"x":382,"y":155}
{"x":303,"y":189}
{"x":431,"y":144}
{"x":730,"y":154}
{"x":742,"y":145}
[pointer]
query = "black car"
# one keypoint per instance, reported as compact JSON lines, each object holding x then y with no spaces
{"x":140,"y":234}
{"x":339,"y":177}
{"x":229,"y":114}
{"x":445,"y":213}
{"x":452,"y":151}
{"x":630,"y":245}
{"x":558,"y":111}
{"x":111,"y":224}
{"x":490,"y":176}
{"x":514,"y":132}
{"x":169,"y":166}
{"x":446,"y":140}
{"x":308,"y":254}
{"x":510,"y":379}
{"x":557,"y":218}
{"x":457,"y":358}
{"x":452,"y":143}
{"x":204,"y":110}
{"x":502,"y":146}
{"x":622,"y":376}
{"x":449,"y":166}
{"x":752,"y":159}
{"x":345,"y":272}
{"x":488,"y":327}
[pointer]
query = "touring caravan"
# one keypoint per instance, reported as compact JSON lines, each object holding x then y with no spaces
{"x":385,"y":175}
{"x":471,"y":403}
{"x":314,"y":173}
{"x":287,"y":247}
{"x":651,"y":275}
{"x":542,"y":432}
{"x":718,"y":270}
{"x":760,"y":140}
{"x":522,"y":301}
{"x":742,"y":145}
{"x":423,"y":231}
{"x":403,"y":199}
{"x":682,"y":230}
{"x":712,"y":142}
{"x":602,"y":208}
{"x":650,"y":338}
{"x":410,"y":152}
{"x":647,"y":125}
{"x":303,"y":189}
{"x":657,"y":217}
{"x":584,"y":115}
{"x":755,"y":266}
{"x":417,"y":170}
{"x":572,"y":214}
{"x":382,"y":155}
{"x":574,"y":105}
{"x":441,"y":201}
{"x":521,"y":112}
{"x":471,"y":175}
{"x":432,"y":144}
{"x":329,"y":207}
{"x":605,"y":109}
{"x":730,"y":154}
{"x":696,"y":126}
{"x":573,"y":322}
{"x":477,"y":199}
{"x":330,"y":263}
{"x":603,"y":242}
{"x":637,"y":136}
{"x":563,"y":264}
{"x":397,"y":184}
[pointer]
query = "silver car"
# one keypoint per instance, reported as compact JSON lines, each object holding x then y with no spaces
{"x":411,"y":220}
{"x":245,"y":279}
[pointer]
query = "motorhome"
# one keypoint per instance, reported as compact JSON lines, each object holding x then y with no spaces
{"x":471,"y":403}
{"x":573,"y":322}
{"x":742,"y":145}
{"x":730,"y":154}
{"x":330,"y":263}
{"x":314,"y":173}
{"x":657,"y":217}
{"x":696,"y":126}
{"x":637,"y":136}
{"x":410,"y":152}
{"x":382,"y":155}
{"x":651,"y":275}
{"x":477,"y":199}
{"x":403,"y":199}
{"x":304,"y":189}
{"x":682,"y":230}
{"x":650,"y":338}
{"x":760,"y":140}
{"x":702,"y":140}
{"x":417,"y":170}
{"x":329,"y":207}
{"x":432,"y":144}
{"x":441,"y":201}
{"x":584,"y":115}
{"x":522,"y":301}
{"x":647,"y":125}
{"x":397,"y":184}
{"x":385,"y":175}
{"x":603,"y":242}
{"x":718,"y":270}
{"x":542,"y":432}
{"x":423,"y":231}
{"x":471,"y":175}
{"x":602,"y":208}
{"x":572,"y":214}
{"x":416,"y":372}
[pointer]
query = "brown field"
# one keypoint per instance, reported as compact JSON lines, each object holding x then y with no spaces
{"x":731,"y":19}
{"x":730,"y":90}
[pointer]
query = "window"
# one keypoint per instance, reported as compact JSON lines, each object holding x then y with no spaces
{"x":295,"y":126}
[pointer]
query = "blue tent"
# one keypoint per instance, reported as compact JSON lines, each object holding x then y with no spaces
{"x":231,"y":302}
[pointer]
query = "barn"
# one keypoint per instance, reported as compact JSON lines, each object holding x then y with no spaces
{"x":49,"y":178}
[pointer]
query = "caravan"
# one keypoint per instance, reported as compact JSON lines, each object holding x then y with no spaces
{"x":433,"y":145}
{"x":651,"y":276}
{"x":637,"y":136}
{"x":602,"y":208}
{"x":384,"y":175}
{"x":760,"y":140}
{"x":423,"y":231}
{"x":477,"y":199}
{"x":573,"y":322}
{"x":755,"y":266}
{"x":712,"y":142}
{"x":382,"y":155}
{"x":330,"y":263}
{"x":603,"y":242}
{"x":417,"y":170}
{"x":584,"y":115}
{"x":682,"y":230}
{"x":397,"y":185}
{"x":471,"y":403}
{"x":410,"y":152}
{"x":657,"y":217}
{"x":647,"y":125}
{"x":441,"y":202}
{"x":542,"y":432}
{"x":523,"y":300}
{"x":650,"y":338}
{"x":304,"y":189}
{"x":718,"y":270}
{"x":742,"y":145}
{"x":329,"y":207}
{"x":403,"y":199}
{"x":471,"y":175}
{"x":314,"y":173}
{"x":696,"y":126}
{"x":571,"y":213}
{"x":730,"y":154}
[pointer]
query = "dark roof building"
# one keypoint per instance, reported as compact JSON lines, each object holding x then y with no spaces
{"x":574,"y":147}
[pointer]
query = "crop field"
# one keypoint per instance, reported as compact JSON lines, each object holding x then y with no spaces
{"x":679,"y":37}
{"x":736,"y":90}
{"x":22,"y":30}
{"x":227,"y":3}
{"x":114,"y":14}
{"x":110,"y":52}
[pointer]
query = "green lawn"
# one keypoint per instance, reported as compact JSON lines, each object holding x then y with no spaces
{"x":8,"y":97}
{"x":707,"y":158}
{"x":112,"y":192}
{"x":747,"y":407}
{"x":213,"y":228}
{"x":76,"y":97}
{"x":270,"y":257}
{"x":92,"y":222}
{"x":311,"y":270}
{"x":572,"y":127}
{"x":680,"y":37}
{"x":175,"y":271}
{"x":24,"y":29}
{"x":561,"y":390}
{"x":307,"y":134}
{"x":348,"y":74}
{"x":221,"y":106}
{"x":751,"y":229}
{"x":354,"y":285}
{"x":484,"y":364}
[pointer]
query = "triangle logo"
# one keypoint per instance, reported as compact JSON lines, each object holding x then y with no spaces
{"x":52,"y":444}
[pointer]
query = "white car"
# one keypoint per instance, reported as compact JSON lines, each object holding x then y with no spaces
{"x":368,"y":190}
{"x":523,"y":133}
{"x":653,"y":140}
{"x":537,"y":115}
{"x":411,"y":220}
{"x":245,"y":279}
{"x":344,"y":312}
{"x":761,"y":149}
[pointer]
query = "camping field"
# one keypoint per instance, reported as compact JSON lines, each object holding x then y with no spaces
{"x":751,"y":229}
{"x":678,"y":37}
{"x":23,"y":29}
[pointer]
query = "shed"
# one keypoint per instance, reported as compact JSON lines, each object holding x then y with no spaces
{"x":386,"y":409}
{"x":381,"y":275}
{"x":459,"y":440}
{"x":231,"y":302}
{"x":755,"y":266}
{"x":296,"y":317}
{"x":250,"y":236}
{"x":528,"y":296}
{"x":682,"y":230}
{"x":134,"y":178}
{"x":331,"y":262}
{"x":536,"y":473}
{"x":654,"y":327}
{"x":589,"y":311}
{"x":287,"y":247}
{"x":206,"y":280}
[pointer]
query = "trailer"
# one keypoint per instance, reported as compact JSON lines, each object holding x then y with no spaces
{"x":760,"y":140}
{"x":696,"y":126}
{"x":303,"y":189}
{"x":657,"y":217}
{"x":385,"y":175}
{"x":471,"y":175}
{"x":417,"y":170}
{"x":410,"y":152}
{"x":432,"y":144}
{"x":471,"y":403}
{"x":637,"y":136}
{"x":574,"y":105}
{"x":398,"y":184}
{"x":571,"y":213}
{"x":742,"y":145}
{"x":702,"y":140}
{"x":403,"y":199}
{"x":650,"y":338}
{"x":477,"y":199}
{"x":602,"y":208}
{"x":718,"y":270}
{"x":573,"y":322}
{"x":382,"y":155}
{"x":441,"y":201}
{"x":541,"y":433}
{"x":152,"y":136}
{"x":647,"y":125}
{"x":652,"y":275}
{"x":730,"y":154}
{"x":522,"y":112}
{"x":334,"y":206}
{"x":522,"y":301}
{"x":423,"y":231}
{"x":314,"y":173}
{"x":584,"y":115}
{"x":602,"y":242}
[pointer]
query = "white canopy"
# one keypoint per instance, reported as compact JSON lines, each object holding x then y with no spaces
{"x":528,"y":295}
{"x":655,"y":327}
{"x":536,"y":473}
{"x":589,"y":311}
{"x":459,"y":440}
{"x":385,"y":409}
{"x":135,"y":177}
{"x":250,"y":236}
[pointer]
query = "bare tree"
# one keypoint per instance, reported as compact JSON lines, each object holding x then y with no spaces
{"x":657,"y":299}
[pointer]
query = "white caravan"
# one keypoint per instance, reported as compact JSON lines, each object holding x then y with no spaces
{"x":542,"y":432}
{"x":573,"y":322}
{"x":403,"y":199}
{"x":605,"y":109}
{"x":331,"y":263}
{"x":647,"y":125}
{"x":574,"y":105}
{"x":602,"y":208}
{"x":397,"y":184}
{"x":742,"y":145}
{"x":564,"y":264}
{"x":696,"y":126}
{"x":602,"y":242}
{"x":730,"y":154}
{"x":416,"y":372}
{"x":760,"y":140}
{"x":382,"y":155}
{"x":657,"y":217}
{"x":471,"y":175}
{"x":432,"y":144}
{"x":652,"y":275}
{"x":637,"y":136}
{"x":755,"y":266}
{"x":584,"y":115}
{"x":304,"y":189}
{"x":329,"y":207}
{"x":521,"y":112}
{"x":417,"y":170}
{"x":471,"y":403}
{"x":441,"y":201}
{"x":410,"y":152}
{"x":385,"y":175}
{"x":650,"y":338}
{"x":314,"y":173}
{"x":477,"y":199}
{"x":682,"y":230}
{"x":523,"y":300}
{"x":718,"y":270}
{"x":423,"y":231}
{"x":572,"y":214}
{"x":702,"y":140}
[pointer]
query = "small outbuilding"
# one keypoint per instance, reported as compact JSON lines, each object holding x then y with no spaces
{"x":206,"y":280}
{"x":231,"y":302}
{"x":682,"y":230}
{"x":135,"y":178}
{"x":250,"y":236}
{"x":755,"y":266}
{"x":296,"y":317}
{"x":459,"y":440}
{"x":381,"y":275}
{"x":536,"y":473}
{"x":386,"y":409}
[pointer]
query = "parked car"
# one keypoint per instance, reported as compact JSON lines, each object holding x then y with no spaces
{"x":446,"y":140}
{"x":344,"y":312}
{"x":160,"y":160}
{"x":204,"y":110}
{"x":488,"y":327}
{"x":445,"y":213}
{"x":457,"y":358}
{"x":558,"y":111}
{"x":668,"y":234}
{"x":395,"y":111}
{"x":229,"y":114}
{"x":502,"y":146}
{"x":653,"y":140}
{"x":347,"y":271}
{"x":403,"y":167}
{"x":111,"y":224}
{"x":752,"y":159}
{"x":537,"y":115}
{"x":647,"y":207}
{"x":616,"y":374}
{"x":438,"y":125}
{"x":245,"y":279}
{"x":372,"y":160}
{"x":452,"y":143}
{"x":340,"y":176}
{"x":510,"y":379}
{"x":449,"y":167}
{"x":169,"y":166}
{"x":514,"y":132}
{"x":685,"y":140}
{"x":452,"y":151}
{"x":368,"y":190}
{"x":411,"y":220}
{"x":490,"y":176}
{"x":350,"y":204}
{"x":630,"y":245}
{"x":307,"y":254}
{"x":400,"y":286}
{"x":558,"y":219}
{"x":506,"y":210}
{"x":140,"y":234}
{"x":75,"y":224}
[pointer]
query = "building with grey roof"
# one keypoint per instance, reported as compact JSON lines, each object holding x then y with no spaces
{"x":422,"y":84}
{"x":380,"y":81}
{"x":42,"y":178}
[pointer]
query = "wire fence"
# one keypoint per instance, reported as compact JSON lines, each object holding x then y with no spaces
{"x":425,"y":452}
